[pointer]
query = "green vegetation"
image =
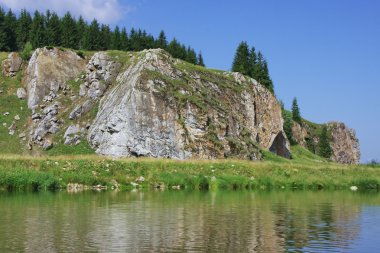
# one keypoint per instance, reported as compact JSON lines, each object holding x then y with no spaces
{"x":296,"y":111}
{"x":50,"y":30}
{"x":305,"y":171}
{"x":254,"y":65}
{"x":324,"y":144}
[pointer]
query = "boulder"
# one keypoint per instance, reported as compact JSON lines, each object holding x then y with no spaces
{"x":48,"y":70}
{"x":12,"y":64}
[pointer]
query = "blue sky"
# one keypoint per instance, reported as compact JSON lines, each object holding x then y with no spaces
{"x":324,"y":52}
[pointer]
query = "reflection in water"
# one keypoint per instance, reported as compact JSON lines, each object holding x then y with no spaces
{"x":183,"y":221}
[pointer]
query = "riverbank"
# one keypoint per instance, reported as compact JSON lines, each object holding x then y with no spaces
{"x":93,"y":172}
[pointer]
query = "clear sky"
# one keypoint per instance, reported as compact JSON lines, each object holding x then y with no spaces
{"x":324,"y":52}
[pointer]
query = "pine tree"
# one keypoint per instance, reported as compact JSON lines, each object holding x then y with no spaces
{"x":174,"y":48}
{"x":3,"y":32}
{"x":325,"y":149}
{"x":53,"y":29}
{"x":23,"y":26}
{"x":115,"y":40}
{"x":296,"y":111}
{"x":92,"y":36}
{"x":253,"y":64}
{"x":191,"y":56}
{"x":81,"y":30}
{"x":37,"y":33}
{"x":105,"y":37}
{"x":124,"y":42}
{"x":69,"y":35}
{"x":200,"y":61}
{"x":161,"y":41}
{"x":266,"y":80}
{"x":241,"y":59}
{"x":287,"y":125}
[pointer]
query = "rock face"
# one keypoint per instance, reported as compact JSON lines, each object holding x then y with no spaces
{"x":48,"y":71}
{"x":12,"y":64}
{"x":344,"y":144}
{"x":159,"y":107}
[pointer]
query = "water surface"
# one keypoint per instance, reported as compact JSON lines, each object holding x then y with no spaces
{"x":171,"y":221}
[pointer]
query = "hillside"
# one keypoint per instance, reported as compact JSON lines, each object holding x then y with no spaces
{"x":146,"y":104}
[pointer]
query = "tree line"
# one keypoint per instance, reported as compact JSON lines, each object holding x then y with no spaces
{"x":250,"y":63}
{"x":48,"y":29}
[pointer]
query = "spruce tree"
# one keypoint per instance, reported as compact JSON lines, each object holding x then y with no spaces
{"x":241,"y":59}
{"x":200,"y":61}
{"x":325,"y":149}
{"x":3,"y":32}
{"x":105,"y":37}
{"x":174,"y":48}
{"x":296,"y":115}
{"x":115,"y":41}
{"x":92,"y":36}
{"x":69,"y":37}
{"x":37,"y":33}
{"x":191,"y":56}
{"x":81,"y":30}
{"x":124,"y":42}
{"x":161,"y":41}
{"x":253,"y":64}
{"x":53,"y":29}
{"x":23,"y":26}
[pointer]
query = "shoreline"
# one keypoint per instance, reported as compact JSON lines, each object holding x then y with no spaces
{"x":77,"y":173}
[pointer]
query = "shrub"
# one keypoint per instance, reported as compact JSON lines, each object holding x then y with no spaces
{"x":26,"y":53}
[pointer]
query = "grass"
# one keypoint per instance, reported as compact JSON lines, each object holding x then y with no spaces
{"x":305,"y":171}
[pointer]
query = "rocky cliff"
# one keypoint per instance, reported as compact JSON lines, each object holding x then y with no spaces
{"x":150,"y":104}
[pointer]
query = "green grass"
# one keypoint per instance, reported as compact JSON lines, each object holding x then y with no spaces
{"x":304,"y":172}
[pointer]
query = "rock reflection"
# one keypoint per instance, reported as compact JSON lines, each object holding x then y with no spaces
{"x":180,"y":221}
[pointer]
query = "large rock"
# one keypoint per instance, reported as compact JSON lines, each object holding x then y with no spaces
{"x":48,"y":71}
{"x":12,"y":64}
{"x":344,"y":143}
{"x":159,"y":108}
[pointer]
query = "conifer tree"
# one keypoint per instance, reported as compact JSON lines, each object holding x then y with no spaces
{"x":3,"y":32}
{"x":191,"y":56}
{"x":296,"y":111}
{"x":92,"y":36}
{"x":174,"y":48}
{"x":124,"y":42}
{"x":254,"y":67}
{"x":161,"y":41}
{"x":200,"y":61}
{"x":325,"y":149}
{"x":23,"y":26}
{"x":53,"y":29}
{"x":105,"y":37}
{"x":81,"y":30}
{"x":241,"y":59}
{"x":69,"y":31}
{"x":115,"y":41}
{"x":37,"y":30}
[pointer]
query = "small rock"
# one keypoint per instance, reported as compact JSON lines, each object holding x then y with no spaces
{"x":4,"y":124}
{"x":21,"y":93}
{"x":11,"y":132}
{"x":17,"y":117}
{"x":140,"y":179}
{"x":22,"y":135}
{"x":48,"y":144}
{"x":176,"y":187}
{"x":6,"y":114}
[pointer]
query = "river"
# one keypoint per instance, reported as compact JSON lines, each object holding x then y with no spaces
{"x":193,"y":221}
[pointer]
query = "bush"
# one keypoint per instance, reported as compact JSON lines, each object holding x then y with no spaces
{"x":26,"y":53}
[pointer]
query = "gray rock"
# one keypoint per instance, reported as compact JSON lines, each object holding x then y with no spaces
{"x":21,"y":135}
{"x":21,"y":93}
{"x":81,"y":109}
{"x":48,"y":144}
{"x":17,"y":117}
{"x":47,"y":69}
{"x":72,"y":129}
{"x":12,"y":64}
